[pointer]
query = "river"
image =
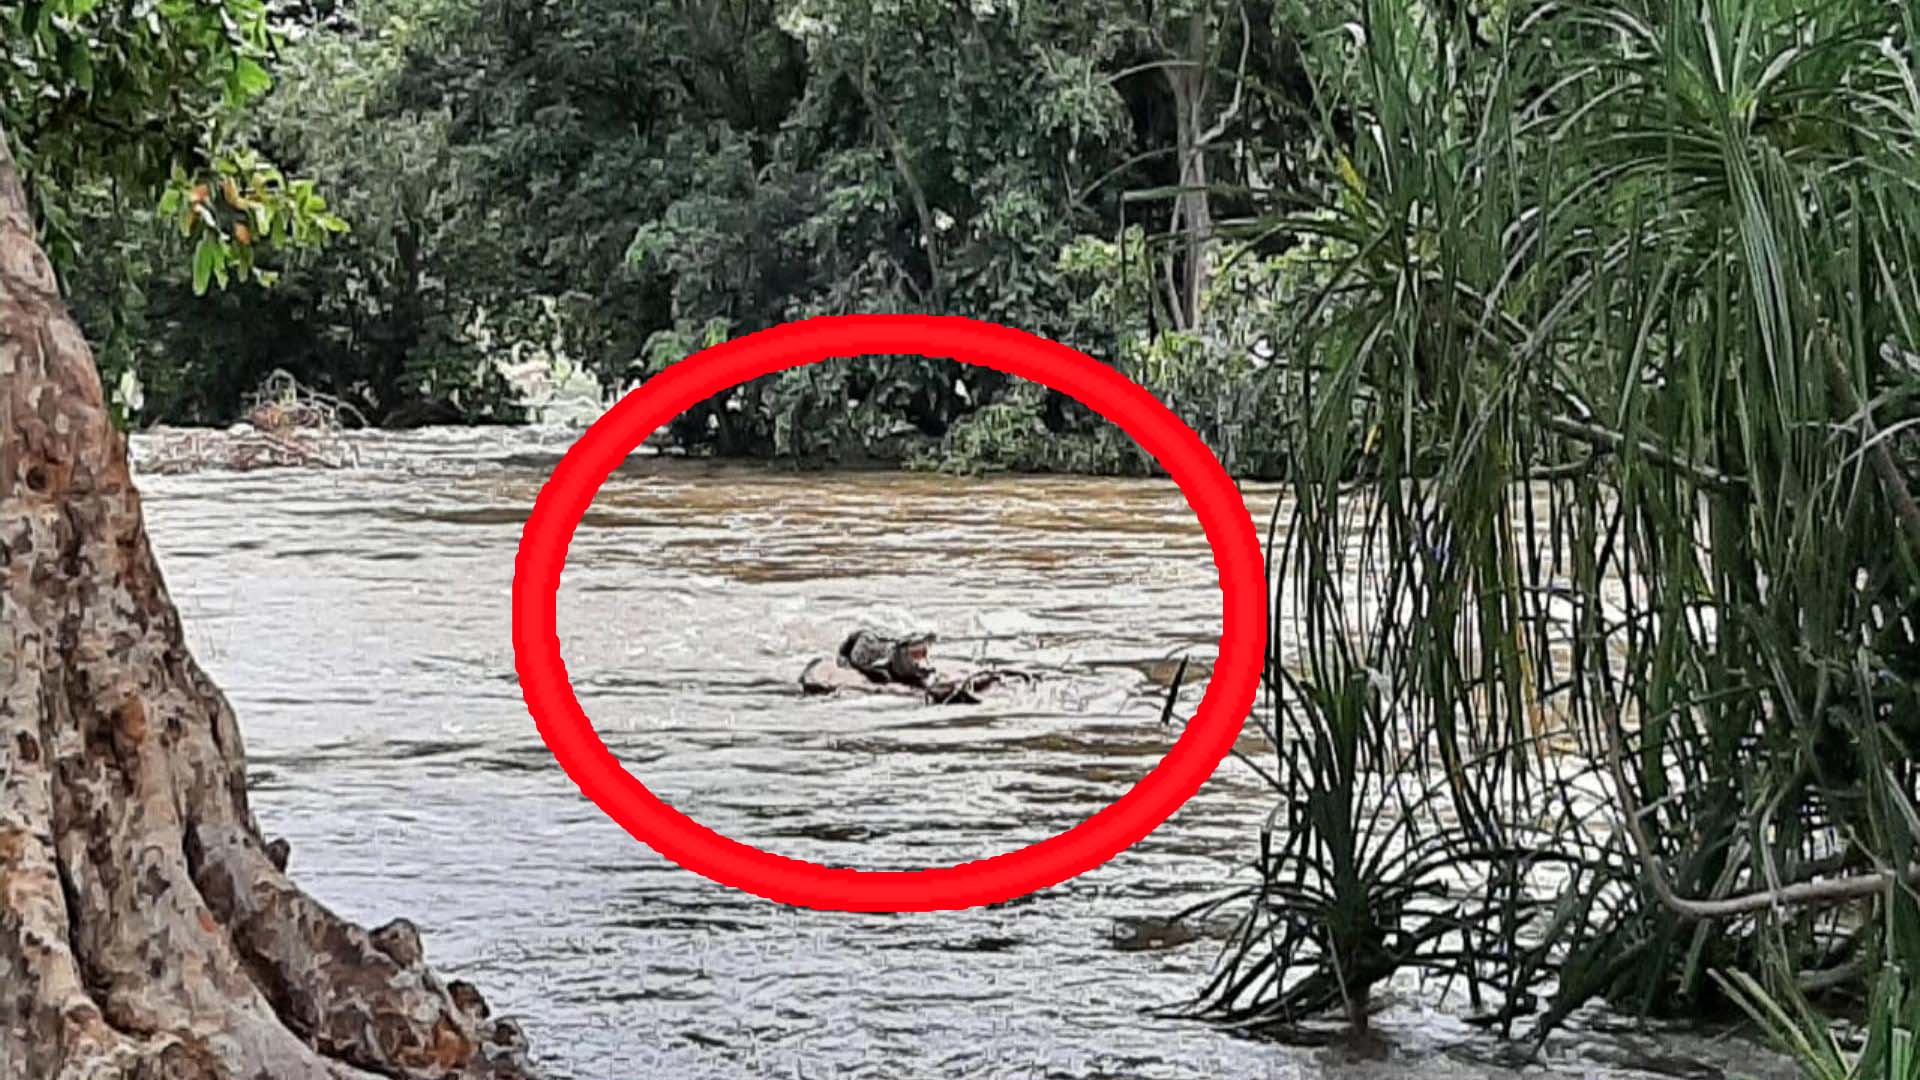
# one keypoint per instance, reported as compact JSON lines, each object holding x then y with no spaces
{"x":358,"y":620}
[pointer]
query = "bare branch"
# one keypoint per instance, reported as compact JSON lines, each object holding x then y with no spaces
{"x":1801,"y":894}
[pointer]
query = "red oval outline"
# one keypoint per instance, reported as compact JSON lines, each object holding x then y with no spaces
{"x":1204,"y":743}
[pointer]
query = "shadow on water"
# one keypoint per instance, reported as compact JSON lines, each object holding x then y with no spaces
{"x":359,"y":622}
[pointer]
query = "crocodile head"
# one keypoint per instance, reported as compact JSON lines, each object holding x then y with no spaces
{"x":908,"y":662}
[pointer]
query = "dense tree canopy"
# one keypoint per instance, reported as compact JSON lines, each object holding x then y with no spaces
{"x":125,"y":121}
{"x":614,"y":185}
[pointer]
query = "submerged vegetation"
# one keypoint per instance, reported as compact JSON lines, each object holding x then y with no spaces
{"x":1583,"y":336}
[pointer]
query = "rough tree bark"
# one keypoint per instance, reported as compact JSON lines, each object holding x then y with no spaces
{"x":147,"y":928}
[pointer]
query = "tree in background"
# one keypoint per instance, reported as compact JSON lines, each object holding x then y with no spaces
{"x":618,"y":184}
{"x":119,"y":114}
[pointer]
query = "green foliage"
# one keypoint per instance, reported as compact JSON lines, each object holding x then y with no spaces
{"x":1888,"y":1050}
{"x":631,"y":177}
{"x":930,"y":186}
{"x":230,"y":224}
{"x":1593,"y":413}
{"x":122,"y":117}
{"x":93,"y":92}
{"x":140,"y":97}
{"x":1797,"y":1028}
{"x":377,"y":319}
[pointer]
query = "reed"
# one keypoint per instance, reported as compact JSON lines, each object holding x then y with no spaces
{"x":1597,"y":573}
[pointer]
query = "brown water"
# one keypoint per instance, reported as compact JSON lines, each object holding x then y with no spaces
{"x":359,"y":622}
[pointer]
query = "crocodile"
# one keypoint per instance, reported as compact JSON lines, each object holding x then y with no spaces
{"x":872,"y":663}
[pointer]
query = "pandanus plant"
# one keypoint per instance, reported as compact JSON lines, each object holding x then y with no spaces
{"x":1597,"y":570}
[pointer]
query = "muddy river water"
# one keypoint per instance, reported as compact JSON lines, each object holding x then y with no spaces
{"x":359,"y":622}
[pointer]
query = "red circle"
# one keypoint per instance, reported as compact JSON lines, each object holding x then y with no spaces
{"x":1194,"y":756}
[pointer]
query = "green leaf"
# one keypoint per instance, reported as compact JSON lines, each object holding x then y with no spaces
{"x":248,"y":80}
{"x":204,"y":257}
{"x":80,"y":65}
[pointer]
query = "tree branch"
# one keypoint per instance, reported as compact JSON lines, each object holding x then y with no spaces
{"x":1798,"y":895}
{"x":1613,"y":441}
{"x":1892,"y":482}
{"x":1239,"y":82}
{"x":914,"y":190}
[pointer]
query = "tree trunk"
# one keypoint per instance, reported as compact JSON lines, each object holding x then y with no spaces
{"x":903,"y":162}
{"x":146,"y":927}
{"x":1192,"y":210}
